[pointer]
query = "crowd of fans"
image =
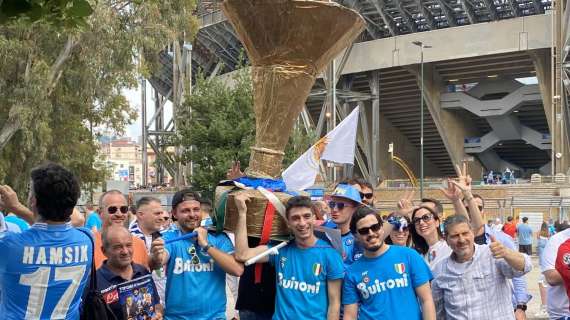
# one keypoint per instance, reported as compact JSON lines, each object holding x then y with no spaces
{"x":154,"y":264}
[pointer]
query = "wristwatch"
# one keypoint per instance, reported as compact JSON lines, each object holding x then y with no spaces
{"x":208,"y":246}
{"x":520,"y":306}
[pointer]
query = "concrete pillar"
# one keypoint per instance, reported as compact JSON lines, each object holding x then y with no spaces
{"x":542,"y":66}
{"x":452,"y":127}
{"x":403,"y":148}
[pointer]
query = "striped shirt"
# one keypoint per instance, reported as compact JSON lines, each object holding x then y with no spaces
{"x":477,"y":289}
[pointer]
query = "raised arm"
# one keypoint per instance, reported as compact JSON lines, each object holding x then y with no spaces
{"x":243,"y":251}
{"x":519,"y":263}
{"x":226,"y":261}
{"x":9,"y":199}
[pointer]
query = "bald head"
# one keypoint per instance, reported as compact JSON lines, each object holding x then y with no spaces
{"x":117,"y":246}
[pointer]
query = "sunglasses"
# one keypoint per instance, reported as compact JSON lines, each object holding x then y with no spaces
{"x":113,"y":209}
{"x":366,"y":195}
{"x":365,"y":231}
{"x":426,"y":218}
{"x":195,"y":259}
{"x":339,"y":205}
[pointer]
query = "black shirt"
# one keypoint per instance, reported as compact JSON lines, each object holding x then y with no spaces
{"x":106,"y":278}
{"x":258,"y":297}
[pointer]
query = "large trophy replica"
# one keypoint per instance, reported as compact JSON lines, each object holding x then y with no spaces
{"x":289,"y":42}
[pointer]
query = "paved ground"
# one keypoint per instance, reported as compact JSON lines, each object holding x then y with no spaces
{"x":532,"y":281}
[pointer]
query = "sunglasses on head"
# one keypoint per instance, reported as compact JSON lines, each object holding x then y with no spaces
{"x":113,"y":209}
{"x":366,"y":230}
{"x":339,"y":205}
{"x":366,"y":195}
{"x":426,"y":218}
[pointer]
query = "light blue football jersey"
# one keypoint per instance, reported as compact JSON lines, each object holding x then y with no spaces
{"x":43,"y":272}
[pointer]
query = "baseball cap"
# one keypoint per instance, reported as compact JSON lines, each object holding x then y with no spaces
{"x":347,"y":191}
{"x":184,"y":195}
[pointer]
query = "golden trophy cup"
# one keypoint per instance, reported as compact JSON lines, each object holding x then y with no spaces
{"x":289,"y":43}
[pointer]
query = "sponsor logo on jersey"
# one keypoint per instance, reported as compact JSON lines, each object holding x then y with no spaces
{"x":282,"y":262}
{"x":188,"y":266}
{"x":400,"y":268}
{"x":368,"y":289}
{"x":301,"y":286}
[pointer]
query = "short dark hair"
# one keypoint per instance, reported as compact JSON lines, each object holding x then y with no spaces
{"x":454,"y":220}
{"x":184,"y":195}
{"x":525,"y":219}
{"x":106,"y":193}
{"x":360,"y":213}
{"x":509,"y":218}
{"x":363,"y":183}
{"x":56,"y":191}
{"x":146,"y":200}
{"x":298,"y":202}
{"x":420,"y":244}
{"x":437,"y":203}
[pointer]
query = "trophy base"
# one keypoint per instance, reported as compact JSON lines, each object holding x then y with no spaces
{"x":255,"y":212}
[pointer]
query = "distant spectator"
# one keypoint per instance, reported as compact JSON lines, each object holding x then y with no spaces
{"x":93,"y":222}
{"x":510,"y":227}
{"x":524,"y":232}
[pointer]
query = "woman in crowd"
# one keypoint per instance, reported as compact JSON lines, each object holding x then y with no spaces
{"x":397,"y":237}
{"x":427,"y":236}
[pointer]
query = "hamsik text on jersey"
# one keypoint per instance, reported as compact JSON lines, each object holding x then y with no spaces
{"x":43,"y":272}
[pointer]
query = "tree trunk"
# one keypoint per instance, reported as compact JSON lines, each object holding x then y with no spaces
{"x":13,"y":124}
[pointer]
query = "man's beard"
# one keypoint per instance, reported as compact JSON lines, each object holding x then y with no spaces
{"x":375,"y":248}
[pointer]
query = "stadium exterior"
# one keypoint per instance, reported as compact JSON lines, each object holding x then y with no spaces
{"x":495,"y":84}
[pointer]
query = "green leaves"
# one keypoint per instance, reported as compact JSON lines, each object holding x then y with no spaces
{"x":62,"y":13}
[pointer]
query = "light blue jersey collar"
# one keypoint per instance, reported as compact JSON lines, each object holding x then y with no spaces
{"x":52,"y":227}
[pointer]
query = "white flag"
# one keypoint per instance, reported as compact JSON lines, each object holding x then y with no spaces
{"x":337,"y":146}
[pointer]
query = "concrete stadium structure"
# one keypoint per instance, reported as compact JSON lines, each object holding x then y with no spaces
{"x":475,"y":109}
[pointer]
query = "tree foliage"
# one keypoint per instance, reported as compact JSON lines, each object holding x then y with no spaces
{"x":57,"y":83}
{"x":65,"y":13}
{"x":216,"y":126}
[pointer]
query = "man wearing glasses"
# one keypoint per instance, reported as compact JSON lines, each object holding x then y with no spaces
{"x":387,"y":282}
{"x":196,"y":268}
{"x":114,"y":210}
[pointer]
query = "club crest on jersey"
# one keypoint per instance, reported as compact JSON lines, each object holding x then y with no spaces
{"x":348,"y":242}
{"x":400,"y":268}
{"x":317,"y":269}
{"x":566,"y":259}
{"x":365,"y":277}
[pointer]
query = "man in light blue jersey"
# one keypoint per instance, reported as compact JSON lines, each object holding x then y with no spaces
{"x":387,"y":282}
{"x":309,"y":270}
{"x":44,"y":269}
{"x":196,"y":268}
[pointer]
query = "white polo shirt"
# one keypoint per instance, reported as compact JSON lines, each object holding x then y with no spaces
{"x":557,"y":298}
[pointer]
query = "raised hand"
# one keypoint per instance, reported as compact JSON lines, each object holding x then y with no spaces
{"x":405,"y":205}
{"x":241,"y":200}
{"x":498,"y":250}
{"x":463,"y":178}
{"x":157,"y":252}
{"x":9,"y":198}
{"x":452,"y":192}
{"x":234,"y":172}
